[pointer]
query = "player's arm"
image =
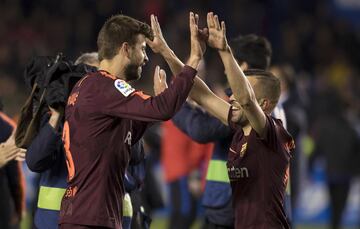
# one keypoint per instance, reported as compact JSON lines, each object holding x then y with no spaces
{"x":44,"y":149}
{"x":167,"y":101}
{"x":120,"y":100}
{"x":200,"y":126}
{"x":242,"y":90}
{"x":200,"y":92}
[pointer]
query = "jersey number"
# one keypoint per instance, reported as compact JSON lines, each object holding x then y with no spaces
{"x":69,"y":159}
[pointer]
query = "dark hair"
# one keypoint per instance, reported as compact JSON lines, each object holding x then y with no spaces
{"x":117,"y":30}
{"x":267,"y":86}
{"x":254,"y":50}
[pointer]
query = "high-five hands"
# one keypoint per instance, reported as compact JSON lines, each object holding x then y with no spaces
{"x":217,"y":33}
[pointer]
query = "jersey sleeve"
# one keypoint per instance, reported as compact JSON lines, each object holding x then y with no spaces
{"x":276,"y":136}
{"x":120,"y":100}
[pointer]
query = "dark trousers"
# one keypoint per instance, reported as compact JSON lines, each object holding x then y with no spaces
{"x":76,"y":226}
{"x":338,"y":197}
{"x":183,"y":205}
{"x":210,"y":225}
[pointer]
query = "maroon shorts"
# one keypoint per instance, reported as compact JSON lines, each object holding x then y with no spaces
{"x":76,"y":226}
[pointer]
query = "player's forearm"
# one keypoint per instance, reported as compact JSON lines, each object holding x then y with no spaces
{"x":199,"y":91}
{"x":173,"y":61}
{"x":214,"y":105}
{"x":199,"y":88}
{"x":240,"y":86}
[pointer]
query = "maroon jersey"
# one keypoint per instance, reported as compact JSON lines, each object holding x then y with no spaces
{"x":258,"y":172}
{"x":104,"y":117}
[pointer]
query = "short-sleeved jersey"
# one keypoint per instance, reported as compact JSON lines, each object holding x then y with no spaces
{"x":258,"y":173}
{"x":104,"y":117}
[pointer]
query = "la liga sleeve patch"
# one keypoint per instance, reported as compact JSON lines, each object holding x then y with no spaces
{"x":123,"y":87}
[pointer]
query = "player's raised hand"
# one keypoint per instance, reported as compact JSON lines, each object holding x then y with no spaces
{"x":217,"y":33}
{"x":197,"y":37}
{"x":158,"y":44}
{"x":159,"y":80}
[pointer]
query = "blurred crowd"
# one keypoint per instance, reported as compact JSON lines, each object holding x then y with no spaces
{"x":315,"y":53}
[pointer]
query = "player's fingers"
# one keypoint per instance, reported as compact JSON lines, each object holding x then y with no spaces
{"x":20,"y":158}
{"x":196,"y":19}
{"x":10,"y":154}
{"x":156,"y":73}
{"x":193,"y":25}
{"x":223,"y":28}
{"x":209,"y":20}
{"x":191,"y":19}
{"x":155,"y":27}
{"x":152,"y":23}
{"x":216,"y":22}
{"x":158,"y":26}
{"x":162,"y":75}
{"x":204,"y":34}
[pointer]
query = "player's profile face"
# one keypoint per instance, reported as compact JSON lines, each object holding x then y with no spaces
{"x":138,"y":58}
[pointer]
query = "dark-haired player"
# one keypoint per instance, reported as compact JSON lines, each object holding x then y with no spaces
{"x":105,"y":116}
{"x":251,"y":51}
{"x":259,"y":154}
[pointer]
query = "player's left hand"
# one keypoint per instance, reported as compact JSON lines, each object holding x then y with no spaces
{"x":217,"y":34}
{"x":159,"y":80}
{"x":158,"y":44}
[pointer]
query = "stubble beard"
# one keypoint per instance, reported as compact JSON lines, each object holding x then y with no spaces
{"x":132,"y":72}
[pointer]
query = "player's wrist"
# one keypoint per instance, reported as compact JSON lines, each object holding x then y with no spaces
{"x":225,"y":51}
{"x":166,"y":52}
{"x":194,"y":61}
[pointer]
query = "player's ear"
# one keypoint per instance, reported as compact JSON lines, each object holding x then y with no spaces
{"x":264,"y":104}
{"x":125,"y":49}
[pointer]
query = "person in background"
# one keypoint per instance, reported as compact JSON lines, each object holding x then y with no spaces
{"x":184,"y":163}
{"x":46,"y":156}
{"x":12,"y":183}
{"x":338,"y":143}
{"x":294,"y":107}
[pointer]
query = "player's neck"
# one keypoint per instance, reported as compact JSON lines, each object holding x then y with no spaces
{"x":112,"y":67}
{"x":247,"y":129}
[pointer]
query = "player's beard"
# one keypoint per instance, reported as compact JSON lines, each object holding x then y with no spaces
{"x":132,"y":72}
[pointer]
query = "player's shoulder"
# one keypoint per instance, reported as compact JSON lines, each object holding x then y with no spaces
{"x":283,"y":134}
{"x":114,"y":84}
{"x":123,"y":87}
